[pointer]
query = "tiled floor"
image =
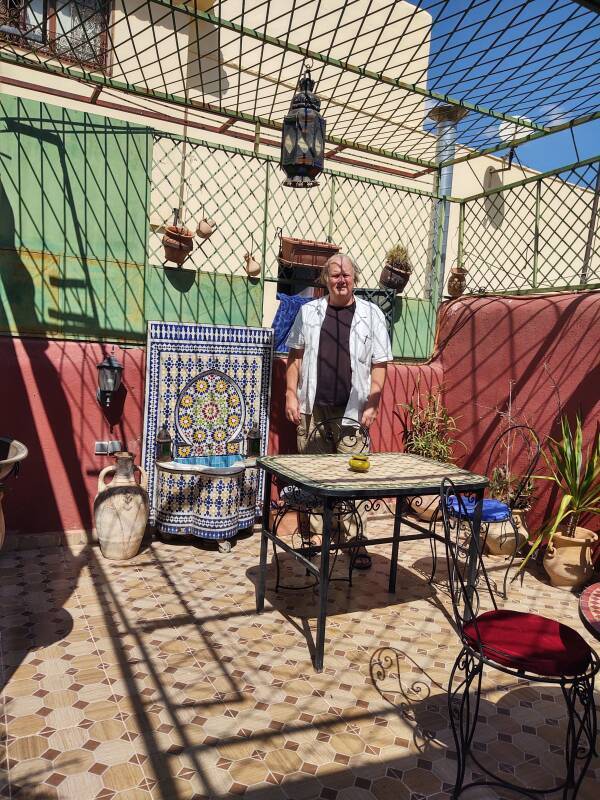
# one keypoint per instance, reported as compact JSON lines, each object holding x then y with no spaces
{"x":156,"y":679}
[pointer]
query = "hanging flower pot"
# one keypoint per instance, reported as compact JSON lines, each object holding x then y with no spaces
{"x":178,"y":243}
{"x":457,"y":281}
{"x":397,"y":269}
{"x":206,"y":228}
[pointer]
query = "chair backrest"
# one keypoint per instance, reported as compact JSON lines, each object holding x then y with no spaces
{"x":339,"y":432}
{"x":512,"y":460}
{"x":458,"y":540}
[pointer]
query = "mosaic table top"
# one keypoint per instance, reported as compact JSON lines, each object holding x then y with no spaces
{"x":589,"y":606}
{"x":390,"y":474}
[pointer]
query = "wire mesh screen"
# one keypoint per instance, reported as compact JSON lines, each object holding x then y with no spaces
{"x":540,"y":234}
{"x":204,"y":182}
{"x":369,"y":219}
{"x":244,"y":195}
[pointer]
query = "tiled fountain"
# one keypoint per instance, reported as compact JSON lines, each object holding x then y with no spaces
{"x":208,"y":385}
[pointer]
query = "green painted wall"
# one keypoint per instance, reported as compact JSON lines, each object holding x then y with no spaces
{"x":414,"y":328}
{"x":74,"y":191}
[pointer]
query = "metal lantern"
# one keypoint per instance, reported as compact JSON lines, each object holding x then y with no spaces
{"x":109,"y":379}
{"x":303,"y":138}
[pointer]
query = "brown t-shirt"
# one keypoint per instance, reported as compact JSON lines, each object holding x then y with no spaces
{"x":334,"y":371}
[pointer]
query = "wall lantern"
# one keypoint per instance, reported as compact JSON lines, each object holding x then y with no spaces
{"x":303,"y":138}
{"x":109,"y":379}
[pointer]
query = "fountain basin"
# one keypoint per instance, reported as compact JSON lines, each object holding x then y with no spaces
{"x":12,"y":452}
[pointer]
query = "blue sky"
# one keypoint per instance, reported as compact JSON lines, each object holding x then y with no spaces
{"x":533,"y":59}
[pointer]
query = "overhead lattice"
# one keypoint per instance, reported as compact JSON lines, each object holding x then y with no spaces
{"x":521,"y":68}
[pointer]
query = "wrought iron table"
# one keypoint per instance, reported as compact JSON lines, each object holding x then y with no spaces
{"x":589,"y":608}
{"x":392,"y":475}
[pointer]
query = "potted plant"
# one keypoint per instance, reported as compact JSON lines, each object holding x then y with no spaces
{"x":568,"y":556}
{"x":429,"y":434}
{"x":511,"y":490}
{"x":397,"y":269}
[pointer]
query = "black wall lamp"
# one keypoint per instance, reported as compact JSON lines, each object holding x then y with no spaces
{"x":110,"y":370}
{"x":303,"y":138}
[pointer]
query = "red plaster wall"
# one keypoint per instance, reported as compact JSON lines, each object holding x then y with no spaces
{"x":48,"y":396}
{"x":487,"y":345}
{"x":49,"y":403}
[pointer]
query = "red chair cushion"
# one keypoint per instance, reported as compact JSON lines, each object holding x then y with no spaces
{"x":529,"y":642}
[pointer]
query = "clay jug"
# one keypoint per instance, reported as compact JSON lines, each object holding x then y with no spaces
{"x":252,"y":266}
{"x":457,"y":281}
{"x":206,"y":228}
{"x":121,"y":509}
{"x":500,"y":538}
{"x":568,"y":559}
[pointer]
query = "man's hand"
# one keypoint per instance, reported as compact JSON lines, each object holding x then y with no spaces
{"x":292,"y":409}
{"x":292,"y":374}
{"x":369,"y":416}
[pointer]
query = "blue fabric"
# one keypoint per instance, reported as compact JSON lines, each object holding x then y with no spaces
{"x":492,"y":511}
{"x":289,"y":305}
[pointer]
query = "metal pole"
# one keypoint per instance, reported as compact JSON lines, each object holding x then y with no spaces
{"x":536,"y":234}
{"x":331,"y":210}
{"x":447,"y":118}
{"x":592,"y":231}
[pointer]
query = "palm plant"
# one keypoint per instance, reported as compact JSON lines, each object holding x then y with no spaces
{"x":578,"y":477}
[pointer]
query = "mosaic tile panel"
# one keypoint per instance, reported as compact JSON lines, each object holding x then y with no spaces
{"x":208,"y":384}
{"x":199,"y":505}
{"x":158,"y":681}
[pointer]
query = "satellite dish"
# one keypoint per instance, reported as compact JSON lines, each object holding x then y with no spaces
{"x":507,"y":131}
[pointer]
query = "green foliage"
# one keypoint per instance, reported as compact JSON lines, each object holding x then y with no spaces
{"x":505,"y":486}
{"x":398,"y":258}
{"x":430,"y":429}
{"x":578,"y":477}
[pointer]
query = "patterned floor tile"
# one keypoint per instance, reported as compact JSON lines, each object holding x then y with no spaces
{"x":156,"y":680}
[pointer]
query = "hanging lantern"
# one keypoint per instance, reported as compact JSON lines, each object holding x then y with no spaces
{"x":303,"y":138}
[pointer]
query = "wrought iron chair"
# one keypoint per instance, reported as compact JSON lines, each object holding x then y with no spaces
{"x":525,"y":646}
{"x":515,"y":449}
{"x":336,"y":435}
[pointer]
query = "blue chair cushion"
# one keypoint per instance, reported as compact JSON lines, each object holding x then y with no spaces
{"x":492,"y":511}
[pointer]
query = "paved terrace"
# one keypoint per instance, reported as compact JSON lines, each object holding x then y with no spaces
{"x":155,"y":679}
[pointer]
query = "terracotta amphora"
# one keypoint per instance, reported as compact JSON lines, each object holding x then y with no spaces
{"x":121,"y":509}
{"x":568,"y":560}
{"x":206,"y":228}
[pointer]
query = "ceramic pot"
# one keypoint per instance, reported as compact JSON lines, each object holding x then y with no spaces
{"x":359,"y":462}
{"x":423,"y":507}
{"x":500,"y":537}
{"x":178,"y":243}
{"x":568,"y":560}
{"x":394,"y":278}
{"x":121,"y":509}
{"x":252,"y":266}
{"x":457,"y":281}
{"x":206,"y":228}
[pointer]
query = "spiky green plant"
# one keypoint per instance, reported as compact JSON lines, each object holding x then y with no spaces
{"x":578,"y":477}
{"x":431,"y":429}
{"x":398,"y":258}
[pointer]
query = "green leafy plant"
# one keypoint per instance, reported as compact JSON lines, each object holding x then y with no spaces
{"x":510,"y":489}
{"x":398,"y":258}
{"x":577,"y":474}
{"x":430,"y":428}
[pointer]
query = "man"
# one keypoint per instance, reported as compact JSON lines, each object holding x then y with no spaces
{"x":339,"y":349}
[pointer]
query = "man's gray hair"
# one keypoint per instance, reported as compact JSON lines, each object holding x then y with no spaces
{"x":338,"y":257}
